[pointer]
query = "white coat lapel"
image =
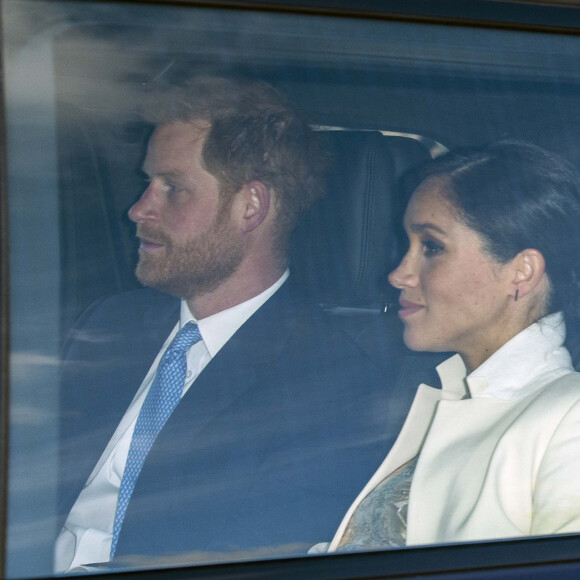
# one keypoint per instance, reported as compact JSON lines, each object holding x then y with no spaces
{"x":453,"y":465}
{"x":414,"y":431}
{"x":406,"y":447}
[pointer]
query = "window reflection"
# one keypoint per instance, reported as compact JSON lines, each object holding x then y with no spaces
{"x":75,"y":77}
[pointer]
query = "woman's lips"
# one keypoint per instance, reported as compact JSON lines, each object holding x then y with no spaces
{"x":408,"y":308}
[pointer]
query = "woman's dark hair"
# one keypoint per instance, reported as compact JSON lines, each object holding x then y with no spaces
{"x":516,"y":196}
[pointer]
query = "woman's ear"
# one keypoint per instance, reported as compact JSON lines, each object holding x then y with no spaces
{"x":255,"y":198}
{"x":529,"y":273}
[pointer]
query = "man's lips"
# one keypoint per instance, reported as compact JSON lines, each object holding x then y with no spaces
{"x":408,"y":308}
{"x":149,"y":245}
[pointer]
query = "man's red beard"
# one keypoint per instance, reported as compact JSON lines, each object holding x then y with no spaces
{"x":194,"y":268}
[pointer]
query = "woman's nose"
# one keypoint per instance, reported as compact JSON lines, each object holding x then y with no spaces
{"x":404,"y":274}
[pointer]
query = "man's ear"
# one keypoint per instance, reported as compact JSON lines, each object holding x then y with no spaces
{"x":256,"y":199}
{"x":529,"y":272}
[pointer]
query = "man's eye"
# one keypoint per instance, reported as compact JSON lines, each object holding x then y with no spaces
{"x":431,"y":248}
{"x":173,"y":188}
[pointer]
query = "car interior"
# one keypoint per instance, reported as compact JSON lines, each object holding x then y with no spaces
{"x":380,"y":116}
{"x":385,"y":93}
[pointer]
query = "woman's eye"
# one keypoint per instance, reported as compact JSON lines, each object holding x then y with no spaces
{"x":431,"y":248}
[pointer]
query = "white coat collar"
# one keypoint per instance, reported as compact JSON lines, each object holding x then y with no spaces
{"x":532,"y":358}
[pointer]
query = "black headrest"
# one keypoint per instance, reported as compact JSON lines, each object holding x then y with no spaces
{"x":342,"y":248}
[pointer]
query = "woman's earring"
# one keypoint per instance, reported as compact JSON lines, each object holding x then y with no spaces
{"x":516,"y":296}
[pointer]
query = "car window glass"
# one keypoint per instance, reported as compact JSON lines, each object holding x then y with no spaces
{"x":75,"y":76}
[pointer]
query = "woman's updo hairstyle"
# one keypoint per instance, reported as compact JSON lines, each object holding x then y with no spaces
{"x":516,"y":196}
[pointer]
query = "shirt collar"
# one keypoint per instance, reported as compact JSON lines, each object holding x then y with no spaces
{"x":524,"y":364}
{"x":218,"y":328}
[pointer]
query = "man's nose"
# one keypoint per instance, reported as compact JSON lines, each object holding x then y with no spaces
{"x":146,"y":208}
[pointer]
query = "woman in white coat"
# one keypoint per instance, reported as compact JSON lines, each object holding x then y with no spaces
{"x":492,"y":272}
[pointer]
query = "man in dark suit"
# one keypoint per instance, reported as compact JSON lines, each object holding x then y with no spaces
{"x":281,"y":419}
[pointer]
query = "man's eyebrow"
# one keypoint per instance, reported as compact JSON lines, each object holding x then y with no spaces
{"x":165,"y":174}
{"x":421,"y":227}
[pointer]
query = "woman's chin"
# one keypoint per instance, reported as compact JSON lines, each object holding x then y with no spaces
{"x":413,"y":341}
{"x":417,"y":342}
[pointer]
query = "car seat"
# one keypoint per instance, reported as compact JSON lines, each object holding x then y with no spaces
{"x":344,"y":247}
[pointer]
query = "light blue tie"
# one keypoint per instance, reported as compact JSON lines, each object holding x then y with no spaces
{"x":162,"y":398}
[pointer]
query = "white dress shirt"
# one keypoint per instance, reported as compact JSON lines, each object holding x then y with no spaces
{"x":87,"y":534}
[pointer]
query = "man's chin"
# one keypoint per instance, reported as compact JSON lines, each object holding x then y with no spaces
{"x":162,"y":286}
{"x":184,"y":289}
{"x":151,"y":278}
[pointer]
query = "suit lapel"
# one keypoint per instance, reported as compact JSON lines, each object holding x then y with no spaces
{"x":144,"y":337}
{"x":109,"y":353}
{"x":214,"y":432}
{"x":226,"y":379}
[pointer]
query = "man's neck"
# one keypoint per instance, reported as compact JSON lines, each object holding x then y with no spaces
{"x":231,"y":292}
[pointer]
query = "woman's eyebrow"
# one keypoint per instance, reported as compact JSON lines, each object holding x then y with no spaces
{"x":421,"y":227}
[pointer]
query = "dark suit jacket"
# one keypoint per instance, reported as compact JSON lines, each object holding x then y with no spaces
{"x":265,"y":452}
